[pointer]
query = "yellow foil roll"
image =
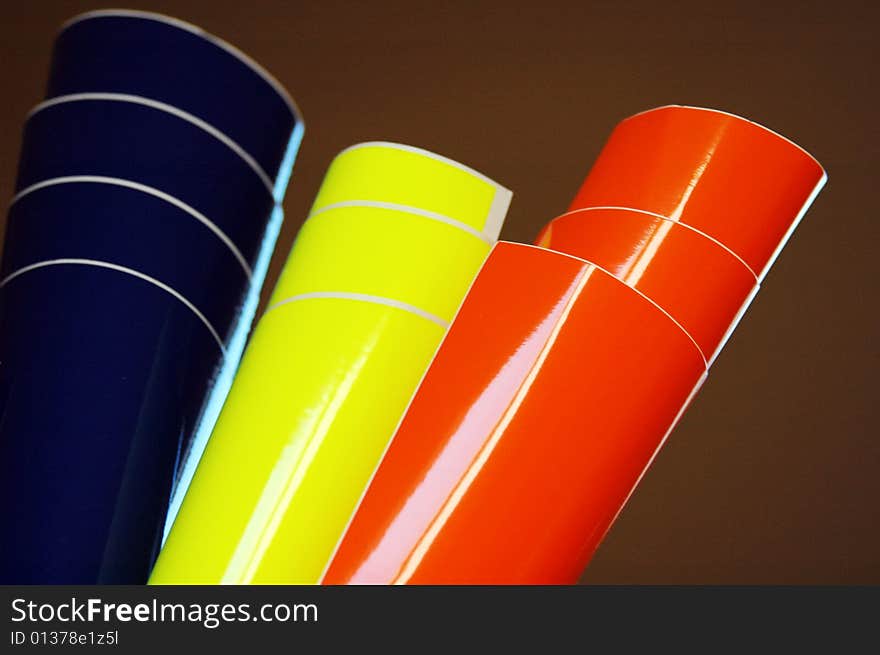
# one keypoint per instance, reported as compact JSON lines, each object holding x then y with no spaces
{"x":392,"y":173}
{"x":395,"y":237}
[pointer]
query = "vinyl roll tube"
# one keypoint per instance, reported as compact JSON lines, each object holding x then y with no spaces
{"x":104,"y":51}
{"x":730,"y":178}
{"x":145,"y":213}
{"x":562,"y":376}
{"x":394,"y":240}
{"x":699,"y":282}
{"x":491,"y":475}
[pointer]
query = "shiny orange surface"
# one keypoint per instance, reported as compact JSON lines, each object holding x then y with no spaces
{"x":697,"y":281}
{"x":547,"y":400}
{"x":728,"y":177}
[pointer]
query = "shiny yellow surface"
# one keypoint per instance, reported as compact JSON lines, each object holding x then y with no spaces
{"x":383,"y":252}
{"x":359,"y":310}
{"x":301,"y":432}
{"x":388,"y":173}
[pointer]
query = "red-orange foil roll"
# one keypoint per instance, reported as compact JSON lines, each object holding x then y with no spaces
{"x":562,"y":374}
{"x":732,"y":179}
{"x":700,"y":283}
{"x":521,"y":444}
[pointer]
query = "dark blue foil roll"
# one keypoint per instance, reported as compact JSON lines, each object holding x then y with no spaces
{"x":188,"y":69}
{"x":137,"y":242}
{"x":130,"y":141}
{"x":101,"y":372}
{"x":125,"y":227}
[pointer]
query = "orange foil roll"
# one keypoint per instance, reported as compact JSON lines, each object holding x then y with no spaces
{"x":700,"y":283}
{"x":521,"y":444}
{"x":732,"y":179}
{"x":569,"y":364}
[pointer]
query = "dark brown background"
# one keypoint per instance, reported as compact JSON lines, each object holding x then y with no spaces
{"x":774,"y":474}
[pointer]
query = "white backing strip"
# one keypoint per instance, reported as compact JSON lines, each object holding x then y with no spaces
{"x":116,"y":181}
{"x":198,"y":31}
{"x":664,"y":218}
{"x":609,"y":274}
{"x":726,"y":113}
{"x":121,"y":269}
{"x":408,"y":210}
{"x":793,"y":226}
{"x":161,"y":106}
{"x":363,"y":297}
{"x":734,"y":323}
{"x":500,"y":201}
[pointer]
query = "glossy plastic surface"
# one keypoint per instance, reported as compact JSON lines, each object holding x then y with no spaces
{"x":103,"y":375}
{"x":83,"y":263}
{"x":126,"y":227}
{"x":384,"y":172}
{"x":385,"y":253}
{"x":558,"y":382}
{"x":275,"y":487}
{"x":144,"y":145}
{"x":361,"y":306}
{"x":552,"y":391}
{"x":732,"y":179}
{"x":139,"y":237}
{"x":166,"y":60}
{"x":697,"y":281}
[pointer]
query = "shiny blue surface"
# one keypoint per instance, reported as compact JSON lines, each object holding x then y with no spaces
{"x":132,"y":229}
{"x":105,"y":376}
{"x":173,"y":63}
{"x":113,"y":366}
{"x":103,"y":373}
{"x":224,"y":378}
{"x":148,"y":146}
